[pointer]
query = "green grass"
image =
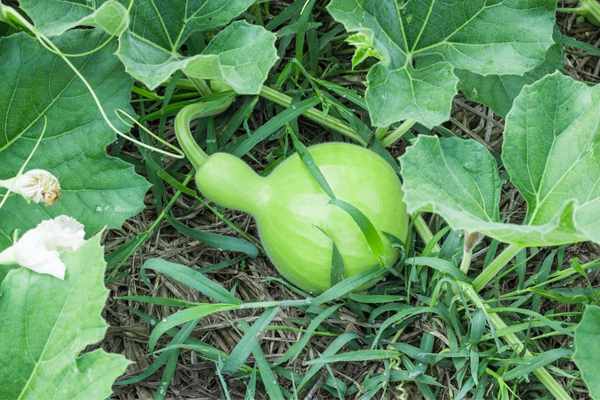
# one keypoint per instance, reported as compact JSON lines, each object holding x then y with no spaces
{"x":422,"y":332}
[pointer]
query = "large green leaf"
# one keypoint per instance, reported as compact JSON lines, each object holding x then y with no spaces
{"x":552,"y":154}
{"x":54,"y":17}
{"x":587,"y":356}
{"x":419,"y":43}
{"x":47,"y":323}
{"x":37,"y":85}
{"x":240,"y":55}
{"x":499,"y":91}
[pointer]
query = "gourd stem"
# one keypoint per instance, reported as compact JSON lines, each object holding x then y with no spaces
{"x":511,"y":338}
{"x":495,"y":266}
{"x":466,"y":261}
{"x":569,"y":10}
{"x":184,"y":118}
{"x":398,"y":132}
{"x":424,"y":231}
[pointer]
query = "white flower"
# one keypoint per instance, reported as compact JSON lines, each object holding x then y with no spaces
{"x":39,"y":248}
{"x":36,"y":185}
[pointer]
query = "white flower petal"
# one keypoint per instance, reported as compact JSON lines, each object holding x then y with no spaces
{"x":49,"y":263}
{"x":61,"y":233}
{"x":38,"y":249}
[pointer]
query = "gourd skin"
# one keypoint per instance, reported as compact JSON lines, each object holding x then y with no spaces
{"x":293,"y":213}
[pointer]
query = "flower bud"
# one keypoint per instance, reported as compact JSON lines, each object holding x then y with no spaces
{"x":36,"y":185}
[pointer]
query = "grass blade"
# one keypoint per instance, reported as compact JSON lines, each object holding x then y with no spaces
{"x":188,"y":277}
{"x":249,"y":341}
{"x":181,"y":317}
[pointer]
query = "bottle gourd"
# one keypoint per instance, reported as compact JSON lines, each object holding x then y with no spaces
{"x":294,"y":217}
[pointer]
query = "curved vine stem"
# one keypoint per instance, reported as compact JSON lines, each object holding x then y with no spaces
{"x":187,"y":114}
{"x":11,"y":16}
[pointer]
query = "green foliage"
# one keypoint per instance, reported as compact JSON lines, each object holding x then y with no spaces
{"x":426,"y":327}
{"x":499,"y":91}
{"x":54,"y":17}
{"x":550,"y":152}
{"x":587,"y":358}
{"x":240,"y":55}
{"x":421,"y":43}
{"x":48,"y":322}
{"x":40,"y":89}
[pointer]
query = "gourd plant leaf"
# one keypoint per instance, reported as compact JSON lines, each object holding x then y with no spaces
{"x":499,"y":91}
{"x":48,"y":322}
{"x":551,"y":153}
{"x":54,"y":17}
{"x":38,"y":87}
{"x":420,"y":43}
{"x":240,"y":55}
{"x":587,"y":356}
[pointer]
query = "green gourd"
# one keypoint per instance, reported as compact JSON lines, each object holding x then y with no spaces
{"x":295,"y":219}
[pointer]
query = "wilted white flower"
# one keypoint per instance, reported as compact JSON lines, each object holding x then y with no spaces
{"x":39,"y":248}
{"x":36,"y":185}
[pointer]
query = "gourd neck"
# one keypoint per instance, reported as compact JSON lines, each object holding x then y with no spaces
{"x":228,"y":181}
{"x":184,"y":118}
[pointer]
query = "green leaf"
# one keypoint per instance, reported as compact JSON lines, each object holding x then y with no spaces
{"x":420,"y":43}
{"x":550,"y":152}
{"x":37,"y":85}
{"x":54,"y":17}
{"x":48,"y":322}
{"x":587,"y":356}
{"x":499,"y":91}
{"x":241,"y":54}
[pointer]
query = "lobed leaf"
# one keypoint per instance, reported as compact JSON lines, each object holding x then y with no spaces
{"x":420,"y":43}
{"x":499,"y":91}
{"x":551,"y":153}
{"x":586,"y":354}
{"x":97,"y":190}
{"x":54,"y":17}
{"x":240,"y":55}
{"x":48,"y":322}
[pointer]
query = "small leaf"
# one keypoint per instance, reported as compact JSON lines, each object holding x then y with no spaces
{"x":241,"y":55}
{"x":551,"y":153}
{"x":420,"y":43}
{"x":587,"y":355}
{"x":48,"y":322}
